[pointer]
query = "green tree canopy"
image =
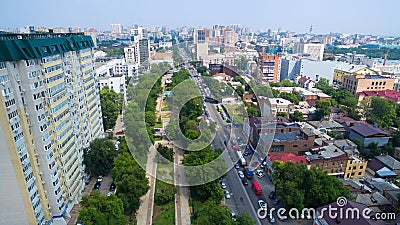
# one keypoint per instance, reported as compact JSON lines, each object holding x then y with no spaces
{"x":299,"y":187}
{"x":102,"y":210}
{"x":111,"y":105}
{"x":131,"y":181}
{"x":297,"y":116}
{"x":99,"y":157}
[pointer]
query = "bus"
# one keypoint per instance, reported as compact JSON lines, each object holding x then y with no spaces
{"x":256,"y":188}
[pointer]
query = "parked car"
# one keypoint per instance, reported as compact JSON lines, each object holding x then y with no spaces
{"x":233,"y":215}
{"x":262,"y":204}
{"x":223,"y":184}
{"x":227,"y":194}
{"x":112,"y":186}
{"x":241,"y":174}
{"x":97,"y":186}
{"x":99,"y":178}
{"x":272,"y":195}
{"x":244,"y":182}
{"x":237,"y":165}
{"x":276,"y":201}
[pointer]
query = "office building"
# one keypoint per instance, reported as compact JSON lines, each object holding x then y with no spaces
{"x":348,"y":69}
{"x":50,"y":109}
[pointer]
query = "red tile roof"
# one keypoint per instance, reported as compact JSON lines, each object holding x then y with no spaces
{"x":387,"y":94}
{"x":288,"y":157}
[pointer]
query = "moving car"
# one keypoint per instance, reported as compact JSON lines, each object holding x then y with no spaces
{"x":237,"y":166}
{"x":241,"y":174}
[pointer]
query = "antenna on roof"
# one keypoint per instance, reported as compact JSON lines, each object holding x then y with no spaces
{"x":310,"y":29}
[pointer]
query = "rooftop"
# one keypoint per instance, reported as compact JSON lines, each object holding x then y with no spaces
{"x":348,"y":221}
{"x":288,"y":157}
{"x":387,"y":94}
{"x":375,"y":77}
{"x":367,"y":130}
{"x":350,"y":68}
{"x":389,"y":161}
{"x":373,"y":199}
{"x":328,"y":124}
{"x":279,"y":101}
{"x":326,"y":152}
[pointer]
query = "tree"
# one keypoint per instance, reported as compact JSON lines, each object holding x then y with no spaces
{"x":373,"y":150}
{"x":164,"y":192}
{"x":299,"y":187}
{"x":245,"y":219}
{"x":166,"y":152}
{"x":293,"y":97}
{"x":323,"y":109}
{"x":382,"y":112}
{"x":99,"y":157}
{"x":212,"y":212}
{"x":131,"y":181}
{"x":283,"y":114}
{"x":111,"y":105}
{"x":297,"y":116}
{"x":102,"y":210}
{"x":239,"y":91}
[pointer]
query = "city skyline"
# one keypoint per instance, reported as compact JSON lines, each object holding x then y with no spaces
{"x":340,"y":17}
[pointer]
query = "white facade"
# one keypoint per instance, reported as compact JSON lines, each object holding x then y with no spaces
{"x":316,"y":51}
{"x":50,"y":109}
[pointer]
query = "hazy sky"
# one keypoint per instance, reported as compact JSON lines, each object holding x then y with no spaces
{"x":347,"y":16}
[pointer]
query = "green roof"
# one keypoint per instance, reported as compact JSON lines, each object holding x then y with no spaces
{"x":14,"y":47}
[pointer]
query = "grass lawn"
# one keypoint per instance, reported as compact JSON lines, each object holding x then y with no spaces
{"x":164,"y":214}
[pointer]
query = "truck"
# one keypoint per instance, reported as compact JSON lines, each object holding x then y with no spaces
{"x":248,"y":172}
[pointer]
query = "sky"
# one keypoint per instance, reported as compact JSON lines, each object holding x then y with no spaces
{"x":344,"y":16}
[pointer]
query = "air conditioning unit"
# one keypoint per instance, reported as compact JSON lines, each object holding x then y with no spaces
{"x":2,"y":83}
{"x":18,"y":81}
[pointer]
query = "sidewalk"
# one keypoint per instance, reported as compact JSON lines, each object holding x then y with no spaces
{"x":77,"y":207}
{"x":145,"y":212}
{"x":182,"y":209}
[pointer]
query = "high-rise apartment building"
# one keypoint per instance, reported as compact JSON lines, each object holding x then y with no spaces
{"x":116,"y":28}
{"x":50,"y":111}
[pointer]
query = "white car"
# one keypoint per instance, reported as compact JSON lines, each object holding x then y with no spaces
{"x":100,"y":179}
{"x":227,"y":194}
{"x":241,"y":174}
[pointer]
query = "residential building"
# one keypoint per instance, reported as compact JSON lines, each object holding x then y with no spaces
{"x":305,"y":82}
{"x":269,"y":67}
{"x":306,"y":94}
{"x":375,"y":200}
{"x":158,"y":57}
{"x":200,"y":35}
{"x":356,"y":83}
{"x":390,"y":162}
{"x":378,"y":169}
{"x":349,"y":69}
{"x":272,"y":106}
{"x":326,"y":126}
{"x":367,"y":134}
{"x":323,"y":217}
{"x":281,"y":137}
{"x":138,"y":52}
{"x":328,"y":158}
{"x":386,"y":94}
{"x":51,"y":106}
{"x":316,"y":51}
